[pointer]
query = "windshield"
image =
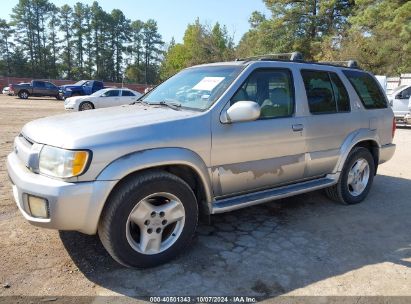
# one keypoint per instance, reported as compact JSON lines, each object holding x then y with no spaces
{"x":80,"y":83}
{"x":195,"y":88}
{"x":398,"y":89}
{"x":99,"y":93}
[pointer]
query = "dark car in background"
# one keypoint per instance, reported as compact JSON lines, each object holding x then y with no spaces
{"x":36,"y":88}
{"x":80,"y":88}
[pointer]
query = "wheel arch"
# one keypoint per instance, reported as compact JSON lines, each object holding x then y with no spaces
{"x":84,"y":101}
{"x":362,"y":138}
{"x":183,"y":163}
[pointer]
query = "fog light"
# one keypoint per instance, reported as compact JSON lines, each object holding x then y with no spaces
{"x":38,"y":206}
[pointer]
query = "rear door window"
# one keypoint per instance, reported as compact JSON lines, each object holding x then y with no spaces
{"x":325,"y":91}
{"x":97,"y":85}
{"x":127,"y":93}
{"x":340,"y":93}
{"x":50,"y":85}
{"x":111,"y":93}
{"x":367,"y":89}
{"x":39,"y":84}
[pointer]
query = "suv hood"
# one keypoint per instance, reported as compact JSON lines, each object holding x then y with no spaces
{"x":96,"y":127}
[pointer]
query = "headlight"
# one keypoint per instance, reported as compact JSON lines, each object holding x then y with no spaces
{"x":62,"y":163}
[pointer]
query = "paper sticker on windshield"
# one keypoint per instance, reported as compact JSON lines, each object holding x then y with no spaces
{"x":208,"y":83}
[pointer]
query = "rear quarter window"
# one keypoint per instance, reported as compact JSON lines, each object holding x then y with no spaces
{"x":367,"y":89}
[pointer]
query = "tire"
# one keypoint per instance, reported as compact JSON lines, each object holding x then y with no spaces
{"x":85,"y":105}
{"x":58,"y":97}
{"x":23,"y":94}
{"x":352,"y":188}
{"x":122,"y":229}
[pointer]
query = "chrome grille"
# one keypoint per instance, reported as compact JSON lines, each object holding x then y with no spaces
{"x":27,"y":152}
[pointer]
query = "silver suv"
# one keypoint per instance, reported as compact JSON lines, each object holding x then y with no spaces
{"x":211,"y":139}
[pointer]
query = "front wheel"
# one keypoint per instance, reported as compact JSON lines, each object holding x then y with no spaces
{"x":149,"y":220}
{"x":356,"y":178}
{"x":85,"y":105}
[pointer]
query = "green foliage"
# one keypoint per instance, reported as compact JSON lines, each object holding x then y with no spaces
{"x":295,"y":26}
{"x":65,"y":26}
{"x":6,"y":44}
{"x":201,"y":44}
{"x":374,"y":32}
{"x":82,"y":41}
{"x":383,"y":29}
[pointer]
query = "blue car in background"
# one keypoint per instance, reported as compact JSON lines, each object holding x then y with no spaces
{"x":80,"y":88}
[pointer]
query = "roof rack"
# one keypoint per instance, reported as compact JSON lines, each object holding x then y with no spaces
{"x":294,"y":56}
{"x":349,"y":63}
{"x":298,"y":57}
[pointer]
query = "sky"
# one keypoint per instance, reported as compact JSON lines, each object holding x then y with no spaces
{"x":172,"y":16}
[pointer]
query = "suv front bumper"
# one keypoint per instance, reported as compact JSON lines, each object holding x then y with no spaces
{"x":72,"y":206}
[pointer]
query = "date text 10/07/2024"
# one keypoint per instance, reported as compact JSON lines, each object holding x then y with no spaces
{"x":203,"y":299}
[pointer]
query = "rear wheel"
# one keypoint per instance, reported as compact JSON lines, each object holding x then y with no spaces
{"x":149,"y":220}
{"x":23,"y":94}
{"x":356,"y":178}
{"x":85,"y":105}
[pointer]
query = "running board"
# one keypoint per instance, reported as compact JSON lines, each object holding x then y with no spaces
{"x":246,"y":200}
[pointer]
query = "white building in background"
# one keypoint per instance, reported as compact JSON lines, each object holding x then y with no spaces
{"x":383,"y":81}
{"x":394,"y":82}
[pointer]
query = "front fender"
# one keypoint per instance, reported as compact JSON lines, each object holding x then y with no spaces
{"x":152,"y":158}
{"x":353,"y":139}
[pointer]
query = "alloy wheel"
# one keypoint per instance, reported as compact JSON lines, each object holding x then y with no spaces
{"x":155,"y":223}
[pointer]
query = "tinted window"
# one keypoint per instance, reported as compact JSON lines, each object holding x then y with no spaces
{"x":39,"y":84}
{"x":405,"y":94}
{"x":50,"y":85}
{"x":340,"y":93}
{"x":271,"y":89}
{"x":367,"y":89}
{"x":111,"y":93}
{"x":97,"y":85}
{"x":319,"y":91}
{"x":128,"y":93}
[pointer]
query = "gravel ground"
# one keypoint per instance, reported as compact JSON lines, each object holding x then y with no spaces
{"x":305,"y":245}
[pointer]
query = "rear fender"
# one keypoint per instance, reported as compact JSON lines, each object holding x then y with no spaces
{"x":353,"y":139}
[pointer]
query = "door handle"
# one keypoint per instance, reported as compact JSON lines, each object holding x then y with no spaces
{"x":298,"y":127}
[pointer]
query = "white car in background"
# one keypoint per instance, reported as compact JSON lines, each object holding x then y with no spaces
{"x":102,"y":99}
{"x":6,"y":91}
{"x":399,"y":100}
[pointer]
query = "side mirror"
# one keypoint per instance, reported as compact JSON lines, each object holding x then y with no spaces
{"x":398,"y":96}
{"x":241,"y":111}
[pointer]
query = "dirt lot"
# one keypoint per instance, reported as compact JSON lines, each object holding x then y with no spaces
{"x":305,"y":245}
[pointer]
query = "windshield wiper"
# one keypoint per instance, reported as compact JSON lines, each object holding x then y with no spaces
{"x":140,"y":101}
{"x":173,"y":105}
